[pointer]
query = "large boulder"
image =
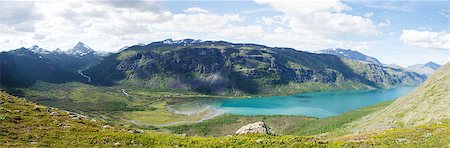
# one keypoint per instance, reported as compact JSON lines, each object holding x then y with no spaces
{"x":254,"y":128}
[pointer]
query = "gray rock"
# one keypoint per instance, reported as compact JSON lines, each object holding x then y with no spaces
{"x":133,"y":131}
{"x":54,"y":113}
{"x":254,"y":128}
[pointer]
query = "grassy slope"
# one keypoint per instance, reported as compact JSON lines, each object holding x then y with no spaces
{"x":142,"y":106}
{"x":428,"y":103}
{"x":25,"y":124}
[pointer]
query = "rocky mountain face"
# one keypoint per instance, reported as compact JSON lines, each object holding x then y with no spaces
{"x":218,"y":66}
{"x":428,"y":103}
{"x":25,"y":66}
{"x":350,"y":54}
{"x":426,"y":69}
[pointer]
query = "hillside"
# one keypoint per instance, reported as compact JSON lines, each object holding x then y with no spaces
{"x":350,"y":54}
{"x":428,"y":103}
{"x":218,"y":67}
{"x":19,"y":70}
{"x":23,"y":67}
{"x":426,"y":69}
{"x":26,"y":124}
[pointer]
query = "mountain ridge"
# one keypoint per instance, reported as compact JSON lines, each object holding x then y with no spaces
{"x":426,"y":69}
{"x":23,"y":67}
{"x":350,"y":54}
{"x":236,"y":67}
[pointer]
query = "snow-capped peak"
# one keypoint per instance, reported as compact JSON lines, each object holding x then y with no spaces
{"x":38,"y":50}
{"x":184,"y":41}
{"x":80,"y":49}
{"x":59,"y":51}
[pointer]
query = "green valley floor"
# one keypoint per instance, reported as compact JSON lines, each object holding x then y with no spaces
{"x":27,"y":124}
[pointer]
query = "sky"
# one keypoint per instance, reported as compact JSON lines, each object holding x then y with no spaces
{"x":399,"y":32}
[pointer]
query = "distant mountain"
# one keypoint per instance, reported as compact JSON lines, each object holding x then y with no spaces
{"x":73,"y":59}
{"x":80,"y":49}
{"x":394,"y":66}
{"x":428,"y":103}
{"x":426,"y":69}
{"x":27,"y":67}
{"x":350,"y":54}
{"x":24,"y":66}
{"x":38,"y":50}
{"x":224,"y":67}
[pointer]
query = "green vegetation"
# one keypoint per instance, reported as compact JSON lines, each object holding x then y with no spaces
{"x":428,"y":103}
{"x":228,"y":124}
{"x":331,"y":124}
{"x":109,"y":103}
{"x":143,"y":106}
{"x":239,"y":70}
{"x":281,"y":124}
{"x":31,"y":125}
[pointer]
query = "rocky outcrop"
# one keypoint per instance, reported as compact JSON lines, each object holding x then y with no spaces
{"x":254,"y":128}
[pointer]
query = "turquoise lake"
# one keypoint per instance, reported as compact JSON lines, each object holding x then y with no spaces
{"x":317,"y":104}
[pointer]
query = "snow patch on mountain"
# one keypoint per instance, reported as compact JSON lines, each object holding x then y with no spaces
{"x":80,"y":49}
{"x":184,"y":41}
{"x":38,"y":50}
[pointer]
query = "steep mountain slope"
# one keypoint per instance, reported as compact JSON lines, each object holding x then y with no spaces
{"x":385,"y":76}
{"x":25,"y":68}
{"x":350,"y":54}
{"x":428,"y":103}
{"x":223,"y":67}
{"x":426,"y":69}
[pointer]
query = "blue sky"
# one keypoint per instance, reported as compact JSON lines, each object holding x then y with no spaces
{"x":400,"y":32}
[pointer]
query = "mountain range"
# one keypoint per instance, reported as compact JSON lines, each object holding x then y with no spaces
{"x":350,"y":54}
{"x":426,"y":69}
{"x":222,"y":67}
{"x":24,"y":66}
{"x":210,"y":67}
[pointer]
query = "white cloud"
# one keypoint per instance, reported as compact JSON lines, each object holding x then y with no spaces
{"x":445,"y":13}
{"x":426,"y":39}
{"x":269,"y":21}
{"x":370,"y":14}
{"x":20,"y":15}
{"x":107,"y":26}
{"x":195,"y":10}
{"x":386,"y":22}
{"x":322,"y":18}
{"x":141,"y":5}
{"x":110,"y":25}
